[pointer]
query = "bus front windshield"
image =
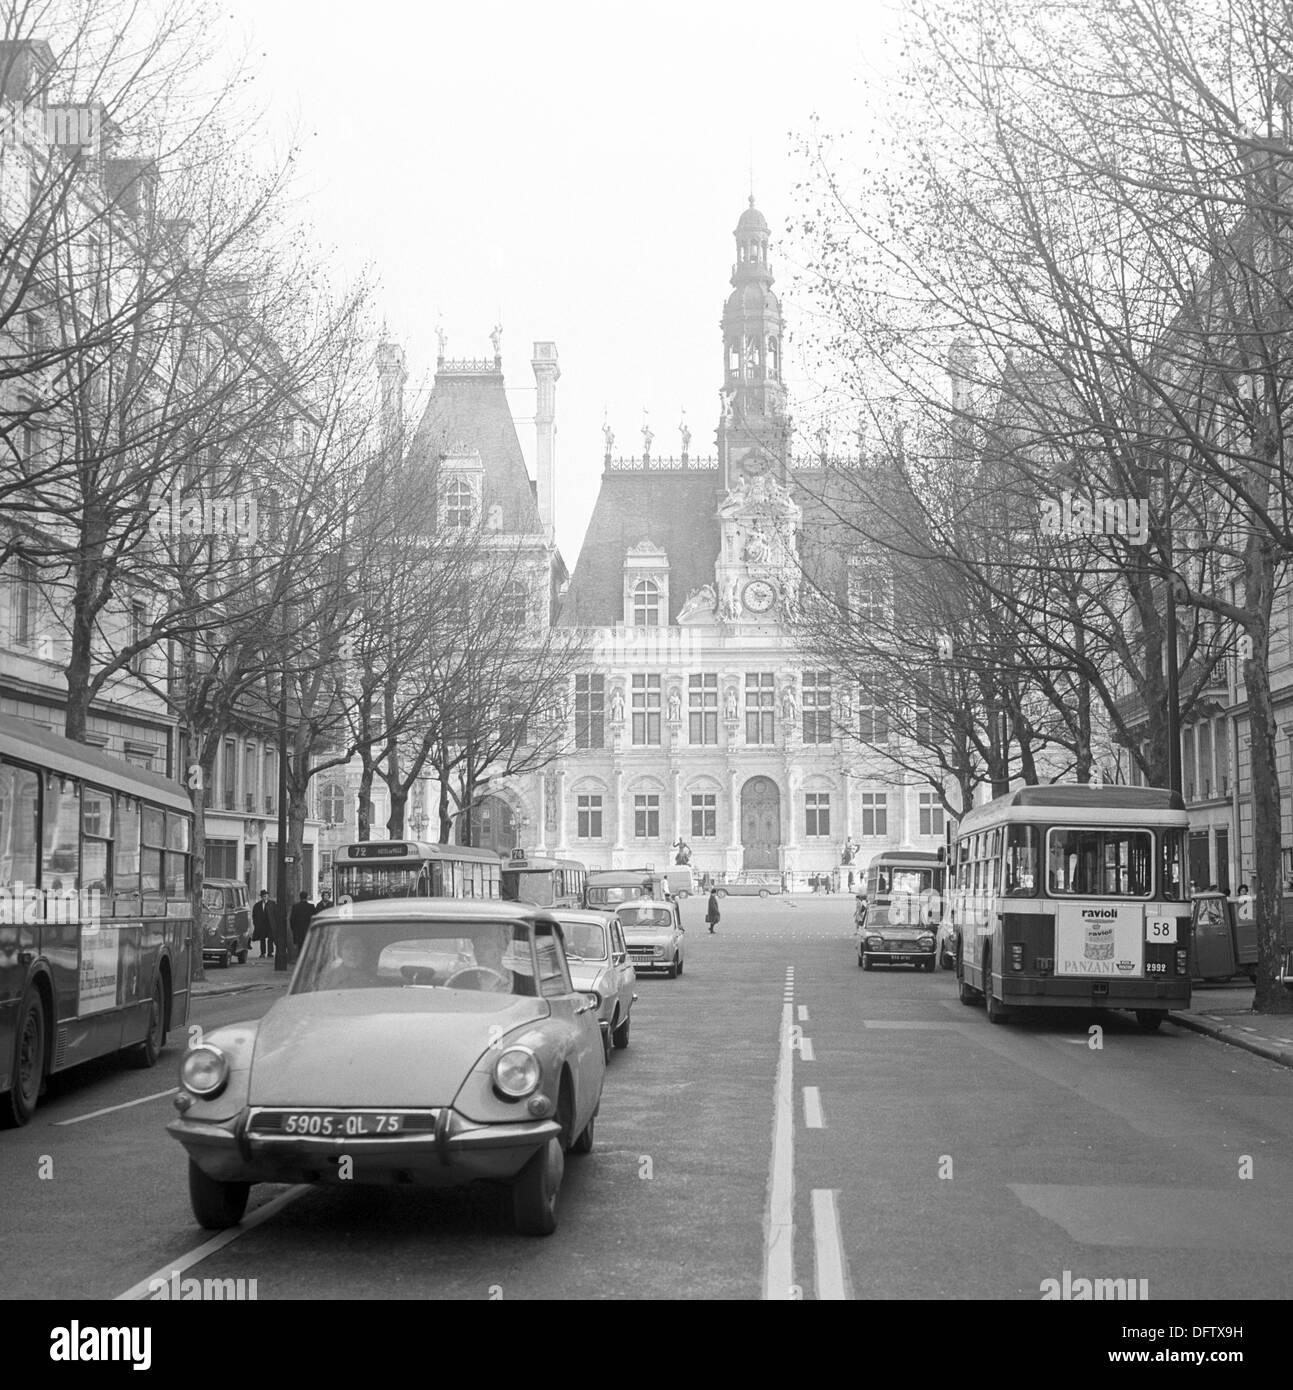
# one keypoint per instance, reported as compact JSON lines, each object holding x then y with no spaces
{"x":1090,"y":863}
{"x":534,"y":886}
{"x":365,"y":882}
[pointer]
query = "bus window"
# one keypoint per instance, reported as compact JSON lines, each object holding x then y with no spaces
{"x":125,"y":857}
{"x":60,"y":859}
{"x":96,"y":840}
{"x":1170,"y":870}
{"x":1021,"y":861}
{"x":176,"y":869}
{"x":19,"y":796}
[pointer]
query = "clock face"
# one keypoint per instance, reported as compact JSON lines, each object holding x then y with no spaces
{"x":759,"y":596}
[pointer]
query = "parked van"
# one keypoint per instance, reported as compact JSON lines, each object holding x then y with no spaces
{"x":226,"y":921}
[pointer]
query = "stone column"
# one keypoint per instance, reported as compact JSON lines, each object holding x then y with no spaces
{"x":617,"y":795}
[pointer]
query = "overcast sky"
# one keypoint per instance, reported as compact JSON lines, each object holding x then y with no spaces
{"x":571,"y":171}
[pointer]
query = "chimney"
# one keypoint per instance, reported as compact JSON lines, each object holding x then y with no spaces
{"x":546,"y":376}
{"x":392,"y":374}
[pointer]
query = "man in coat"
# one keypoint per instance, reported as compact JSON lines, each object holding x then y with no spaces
{"x":299,"y":919}
{"x":262,"y":923}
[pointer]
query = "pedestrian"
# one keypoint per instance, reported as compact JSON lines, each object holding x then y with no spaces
{"x":302,"y":910}
{"x":711,"y":911}
{"x":262,"y":921}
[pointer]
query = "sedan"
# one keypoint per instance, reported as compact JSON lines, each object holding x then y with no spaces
{"x":426,"y":1041}
{"x":600,"y":965}
{"x":654,"y":933}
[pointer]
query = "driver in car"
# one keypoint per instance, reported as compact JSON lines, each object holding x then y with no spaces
{"x":354,"y":968}
{"x":489,"y":973}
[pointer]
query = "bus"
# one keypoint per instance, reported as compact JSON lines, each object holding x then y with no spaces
{"x":96,"y":916}
{"x":1072,"y":896}
{"x":543,"y":882}
{"x":375,"y":869}
{"x":899,"y":908}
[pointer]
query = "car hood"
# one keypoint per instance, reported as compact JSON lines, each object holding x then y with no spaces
{"x":647,"y":936}
{"x":408,"y":1047}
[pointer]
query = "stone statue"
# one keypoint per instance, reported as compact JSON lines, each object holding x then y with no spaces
{"x":494,"y":518}
{"x":496,"y":337}
{"x":441,"y":339}
{"x":730,"y":600}
{"x":609,"y":437}
{"x":726,"y":395}
{"x":733,"y":708}
{"x":675,"y":705}
{"x":617,"y":706}
{"x":789,"y":702}
{"x":702,"y":600}
{"x":686,"y":436}
{"x":849,"y":853}
{"x":757,"y":548}
{"x":647,"y":437}
{"x":683,"y":855}
{"x":550,"y":803}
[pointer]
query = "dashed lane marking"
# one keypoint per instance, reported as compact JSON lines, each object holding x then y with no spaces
{"x":779,"y":1222}
{"x":125,"y":1105}
{"x":813,"y":1108}
{"x":831,"y":1280}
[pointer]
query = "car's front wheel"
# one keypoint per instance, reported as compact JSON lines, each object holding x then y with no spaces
{"x":216,"y":1205}
{"x":865,"y":961}
{"x":535,"y":1190}
{"x":584,"y":1143}
{"x":764,"y":893}
{"x":620,"y":1034}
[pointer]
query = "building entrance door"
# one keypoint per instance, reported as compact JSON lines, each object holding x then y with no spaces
{"x":494,"y":825}
{"x":761,"y":824}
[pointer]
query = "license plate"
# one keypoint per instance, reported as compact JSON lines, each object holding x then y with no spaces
{"x":340,"y":1124}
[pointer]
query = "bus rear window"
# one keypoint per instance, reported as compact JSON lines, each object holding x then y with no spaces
{"x":1091,"y":863}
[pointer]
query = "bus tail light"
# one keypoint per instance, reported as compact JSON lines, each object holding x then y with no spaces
{"x":1016,"y":955}
{"x":1182,"y":961}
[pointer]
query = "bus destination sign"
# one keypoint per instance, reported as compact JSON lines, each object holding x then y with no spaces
{"x":380,"y":849}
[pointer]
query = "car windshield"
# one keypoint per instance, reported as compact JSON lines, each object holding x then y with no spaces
{"x":637,"y":917}
{"x":585,"y":940}
{"x":494,"y":957}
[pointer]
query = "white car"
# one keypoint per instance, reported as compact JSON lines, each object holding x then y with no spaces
{"x":600,"y":965}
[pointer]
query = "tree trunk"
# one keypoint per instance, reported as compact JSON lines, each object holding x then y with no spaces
{"x":197,"y":800}
{"x":365,"y":797}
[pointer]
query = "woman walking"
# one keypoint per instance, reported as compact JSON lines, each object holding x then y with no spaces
{"x":711,"y":912}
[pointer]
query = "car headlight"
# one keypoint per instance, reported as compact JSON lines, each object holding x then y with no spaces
{"x":875,"y":942}
{"x":517,"y":1072}
{"x":927,"y":943}
{"x":593,"y":998}
{"x":659,"y":951}
{"x":204,"y":1071}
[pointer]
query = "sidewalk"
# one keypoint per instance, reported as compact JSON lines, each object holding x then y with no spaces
{"x":256,"y":974}
{"x":1225,"y":1012}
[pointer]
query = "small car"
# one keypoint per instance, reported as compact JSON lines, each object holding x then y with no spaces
{"x":890,"y":945}
{"x":749,"y":886}
{"x":226,"y":921}
{"x":654,"y":932}
{"x":428,"y":1041}
{"x":600,"y":965}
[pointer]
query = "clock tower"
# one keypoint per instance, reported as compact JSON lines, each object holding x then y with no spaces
{"x":752,"y":427}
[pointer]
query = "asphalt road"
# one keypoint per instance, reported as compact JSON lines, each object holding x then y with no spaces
{"x":783,"y":1125}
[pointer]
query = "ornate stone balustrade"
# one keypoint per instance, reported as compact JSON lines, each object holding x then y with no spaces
{"x":649,"y":463}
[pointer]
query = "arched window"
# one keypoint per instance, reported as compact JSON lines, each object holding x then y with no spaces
{"x":646,"y":603}
{"x":458,"y":503}
{"x":511,"y":608}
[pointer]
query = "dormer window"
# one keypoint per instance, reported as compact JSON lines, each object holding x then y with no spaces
{"x":646,"y":603}
{"x":459,"y":503}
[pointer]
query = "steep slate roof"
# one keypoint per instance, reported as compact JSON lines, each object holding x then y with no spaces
{"x":676,"y":511}
{"x":468,"y":411}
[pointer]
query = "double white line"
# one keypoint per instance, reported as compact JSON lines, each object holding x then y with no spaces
{"x":779,"y":1225}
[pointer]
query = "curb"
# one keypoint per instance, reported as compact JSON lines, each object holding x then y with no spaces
{"x":1236,"y":1037}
